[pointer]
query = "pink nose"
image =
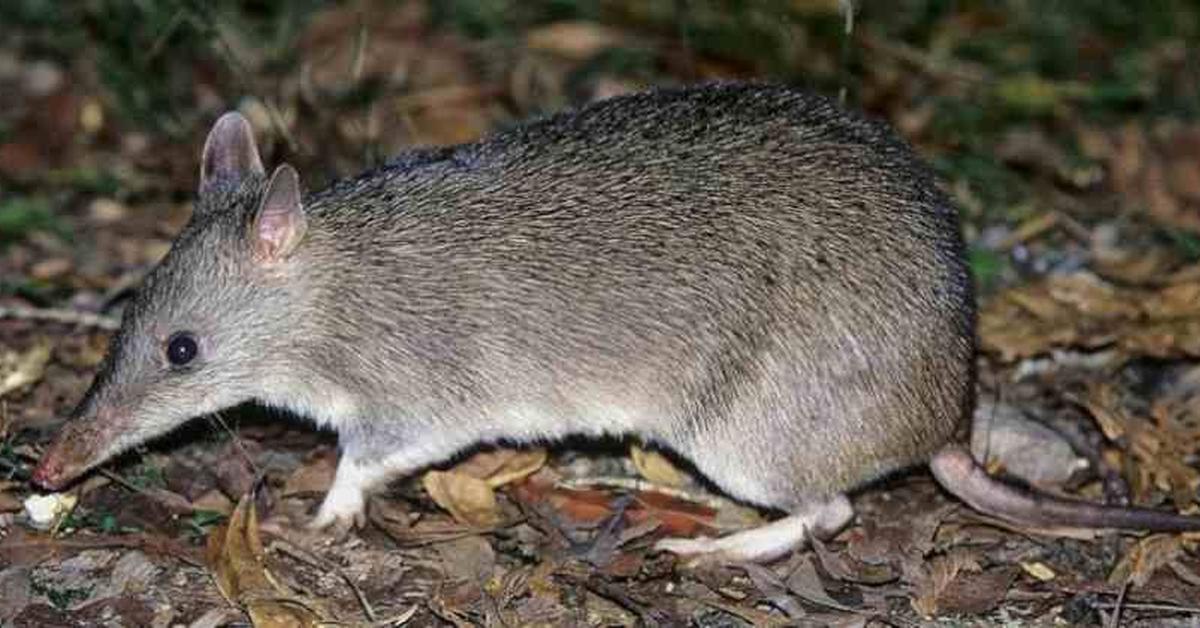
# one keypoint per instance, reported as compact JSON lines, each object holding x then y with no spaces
{"x":47,"y":473}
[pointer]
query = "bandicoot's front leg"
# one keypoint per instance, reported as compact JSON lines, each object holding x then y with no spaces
{"x":358,"y":473}
{"x":344,"y":506}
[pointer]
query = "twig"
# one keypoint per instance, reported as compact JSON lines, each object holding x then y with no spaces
{"x":237,"y":442}
{"x":54,"y":315}
{"x":603,"y":589}
{"x":1115,"y":619}
{"x":929,"y":64}
{"x":1148,"y":606}
{"x":313,"y":560}
{"x":398,"y":620}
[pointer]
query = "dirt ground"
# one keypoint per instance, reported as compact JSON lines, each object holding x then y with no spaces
{"x":1068,"y":135}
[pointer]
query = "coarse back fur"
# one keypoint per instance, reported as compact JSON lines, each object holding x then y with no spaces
{"x":745,"y":273}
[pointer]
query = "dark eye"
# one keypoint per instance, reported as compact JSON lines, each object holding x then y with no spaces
{"x":181,"y":348}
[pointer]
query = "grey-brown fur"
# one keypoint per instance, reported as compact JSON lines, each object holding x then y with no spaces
{"x":758,"y":278}
{"x":748,"y":274}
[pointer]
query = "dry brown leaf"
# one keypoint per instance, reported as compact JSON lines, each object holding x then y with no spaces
{"x":1038,"y":570}
{"x":1157,"y":446}
{"x":938,"y":576}
{"x":468,"y":499}
{"x":1146,"y":557}
{"x":655,"y":467}
{"x":805,"y":582}
{"x":977,"y":593}
{"x":1157,"y":171}
{"x":1081,"y":310}
{"x":213,"y":501}
{"x":315,"y":476}
{"x":1104,"y":406}
{"x":503,"y":466}
{"x":237,"y":561}
{"x":1091,"y":296}
{"x":24,"y":369}
{"x":1174,"y":301}
{"x":1133,"y":266}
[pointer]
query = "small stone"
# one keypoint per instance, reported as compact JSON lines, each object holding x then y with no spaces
{"x":42,"y":78}
{"x":45,"y":510}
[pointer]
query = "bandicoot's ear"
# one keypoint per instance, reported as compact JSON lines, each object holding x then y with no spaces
{"x":229,"y":151}
{"x":279,"y":224}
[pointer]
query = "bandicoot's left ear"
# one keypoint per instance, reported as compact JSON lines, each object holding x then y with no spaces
{"x":279,"y":224}
{"x":229,"y":152}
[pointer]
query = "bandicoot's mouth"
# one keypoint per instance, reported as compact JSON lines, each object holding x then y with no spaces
{"x":52,"y":472}
{"x":71,"y":453}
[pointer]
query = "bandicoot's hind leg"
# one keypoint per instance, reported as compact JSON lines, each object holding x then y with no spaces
{"x":772,"y":540}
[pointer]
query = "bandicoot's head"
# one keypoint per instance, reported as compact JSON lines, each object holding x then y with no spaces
{"x":206,"y":326}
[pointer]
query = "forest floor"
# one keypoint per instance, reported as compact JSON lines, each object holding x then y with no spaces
{"x":1067,"y":133}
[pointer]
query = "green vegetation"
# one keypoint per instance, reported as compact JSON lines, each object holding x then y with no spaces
{"x":145,"y":474}
{"x":202,"y":521}
{"x":20,"y":215}
{"x":60,"y":597}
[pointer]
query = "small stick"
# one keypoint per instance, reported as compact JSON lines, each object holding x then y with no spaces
{"x":1115,"y":619}
{"x":1148,"y":606}
{"x":54,"y":315}
{"x":398,"y":620}
{"x":301,"y":554}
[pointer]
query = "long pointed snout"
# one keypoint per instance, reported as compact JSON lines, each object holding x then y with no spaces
{"x":80,"y":444}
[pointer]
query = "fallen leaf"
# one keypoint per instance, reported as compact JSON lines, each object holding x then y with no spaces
{"x":655,"y":467}
{"x":237,"y":561}
{"x":213,"y":501}
{"x":1146,"y":557}
{"x":503,"y":466}
{"x":24,"y":369}
{"x":1083,"y":311}
{"x":805,"y":582}
{"x":773,"y":589}
{"x":1038,"y":570}
{"x":468,"y":499}
{"x":314,"y":477}
{"x":938,"y":577}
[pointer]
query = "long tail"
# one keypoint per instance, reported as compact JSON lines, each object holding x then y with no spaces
{"x":958,"y":473}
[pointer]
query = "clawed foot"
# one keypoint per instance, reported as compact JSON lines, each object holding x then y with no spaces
{"x":341,"y":512}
